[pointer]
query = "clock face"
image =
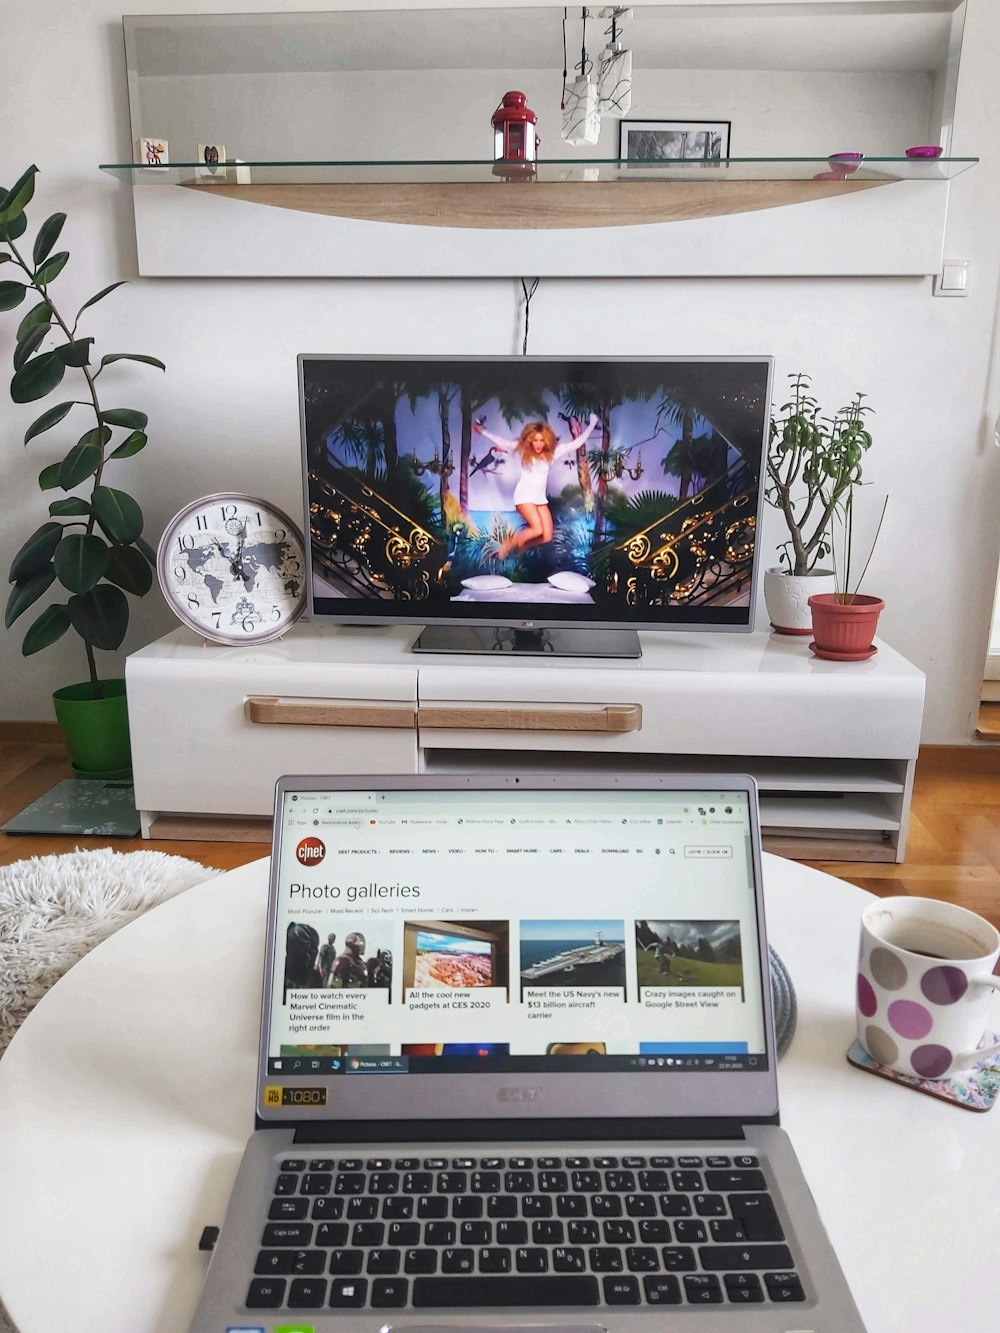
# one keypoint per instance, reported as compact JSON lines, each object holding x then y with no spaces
{"x":233,"y":569}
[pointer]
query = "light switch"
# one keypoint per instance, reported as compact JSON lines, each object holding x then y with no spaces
{"x":953,"y":280}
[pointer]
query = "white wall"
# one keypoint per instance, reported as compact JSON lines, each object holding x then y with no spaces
{"x":225,"y":413}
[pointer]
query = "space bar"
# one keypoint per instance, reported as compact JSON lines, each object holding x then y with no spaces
{"x":524,"y":1289}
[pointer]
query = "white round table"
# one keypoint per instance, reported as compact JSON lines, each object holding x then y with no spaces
{"x":127,"y":1097}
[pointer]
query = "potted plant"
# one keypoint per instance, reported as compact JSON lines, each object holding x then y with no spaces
{"x":845,"y":621}
{"x":813,"y":465}
{"x":91,"y":545}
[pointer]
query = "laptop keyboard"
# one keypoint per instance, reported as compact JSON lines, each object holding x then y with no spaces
{"x":448,"y":1232}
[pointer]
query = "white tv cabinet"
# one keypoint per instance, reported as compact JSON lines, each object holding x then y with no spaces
{"x":832,"y":745}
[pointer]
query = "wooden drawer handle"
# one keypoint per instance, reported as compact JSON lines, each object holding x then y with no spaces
{"x":609,"y":718}
{"x":273,"y":712}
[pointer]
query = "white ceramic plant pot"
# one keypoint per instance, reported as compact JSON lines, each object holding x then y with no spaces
{"x":786,"y":597}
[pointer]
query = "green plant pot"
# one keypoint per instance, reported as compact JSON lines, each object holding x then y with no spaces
{"x":96,"y":730}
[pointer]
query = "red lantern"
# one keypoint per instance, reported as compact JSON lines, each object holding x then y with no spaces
{"x":515,"y":143}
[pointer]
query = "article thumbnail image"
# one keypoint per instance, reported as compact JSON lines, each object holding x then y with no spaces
{"x":349,"y":955}
{"x":573,"y":953}
{"x":455,"y":954}
{"x":689,"y":953}
{"x":477,"y":1049}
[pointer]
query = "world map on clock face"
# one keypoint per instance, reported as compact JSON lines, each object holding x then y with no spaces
{"x":235,"y":574}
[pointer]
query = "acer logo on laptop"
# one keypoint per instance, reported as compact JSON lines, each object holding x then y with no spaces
{"x":518,"y":1094}
{"x":310,"y":851}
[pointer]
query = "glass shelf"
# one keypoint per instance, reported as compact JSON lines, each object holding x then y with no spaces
{"x":733,"y":169}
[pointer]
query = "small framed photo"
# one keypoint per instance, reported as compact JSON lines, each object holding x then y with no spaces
{"x":211,"y":166}
{"x":674,"y":141}
{"x":153,"y":152}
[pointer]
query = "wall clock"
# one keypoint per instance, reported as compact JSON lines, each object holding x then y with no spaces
{"x":232,"y":567}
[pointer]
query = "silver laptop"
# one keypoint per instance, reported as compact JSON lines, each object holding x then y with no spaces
{"x":517,"y":1069}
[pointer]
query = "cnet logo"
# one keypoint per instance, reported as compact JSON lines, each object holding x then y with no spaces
{"x":310,"y":852}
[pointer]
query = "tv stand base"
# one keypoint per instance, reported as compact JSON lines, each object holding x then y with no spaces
{"x":528,"y":642}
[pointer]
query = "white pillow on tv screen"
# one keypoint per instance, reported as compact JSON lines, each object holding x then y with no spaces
{"x":570,"y":581}
{"x":486,"y":582}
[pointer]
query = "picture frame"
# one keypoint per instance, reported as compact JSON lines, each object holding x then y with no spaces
{"x":674,"y":140}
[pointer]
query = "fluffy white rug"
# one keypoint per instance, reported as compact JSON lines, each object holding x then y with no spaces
{"x":54,"y":909}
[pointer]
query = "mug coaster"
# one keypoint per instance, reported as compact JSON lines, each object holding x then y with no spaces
{"x":976,"y":1089}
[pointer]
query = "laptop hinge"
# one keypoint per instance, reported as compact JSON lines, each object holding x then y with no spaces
{"x":484,"y":1131}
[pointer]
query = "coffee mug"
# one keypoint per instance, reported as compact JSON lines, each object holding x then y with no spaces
{"x":925,"y":985}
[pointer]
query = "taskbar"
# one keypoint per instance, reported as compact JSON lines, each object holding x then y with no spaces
{"x":347,"y":1064}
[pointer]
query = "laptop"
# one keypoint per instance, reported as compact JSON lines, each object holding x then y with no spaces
{"x":517,"y":1069}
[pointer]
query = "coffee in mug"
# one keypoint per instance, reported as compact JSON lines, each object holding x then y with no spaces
{"x":925,"y":985}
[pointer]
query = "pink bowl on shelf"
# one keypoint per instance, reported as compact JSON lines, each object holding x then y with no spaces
{"x":925,"y":150}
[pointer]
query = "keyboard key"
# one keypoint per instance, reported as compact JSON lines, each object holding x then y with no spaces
{"x":390,"y":1293}
{"x":689,"y":1232}
{"x":270,"y":1262}
{"x":583,"y":1233}
{"x":571,"y":1205}
{"x":321,"y":1164}
{"x":404,"y":1233}
{"x":326,"y":1209}
{"x":500,"y":1205}
{"x":621,"y":1291}
{"x":675,"y":1205}
{"x":664,"y":1163}
{"x":439,"y":1233}
{"x":547,"y":1231}
{"x":678,"y":1258}
{"x":519,"y":1182}
{"x":420,"y":1261}
{"x":640,"y":1205}
{"x":350,"y":1164}
{"x":662,"y":1290}
{"x":293,"y":1164}
{"x":452,"y":1182}
{"x":633,"y":1162}
{"x":383,"y":1261}
{"x":379,"y":1164}
{"x":735,"y":1180}
{"x":494,"y":1261}
{"x":526,"y":1289}
{"x":297,"y":1235}
{"x":417,"y":1182}
{"x":521,"y":1163}
{"x":725,"y":1230}
{"x":587,"y":1182}
{"x":348,"y":1293}
{"x":757,"y":1215}
{"x":266,"y":1293}
{"x":688,"y":1182}
{"x":605,"y":1205}
{"x":467,"y":1205}
{"x":604,"y":1259}
{"x":568,"y":1259}
{"x":717,"y":1161}
{"x":384,"y":1182}
{"x":307,"y":1293}
{"x":476,"y":1233}
{"x":512,"y":1233}
{"x":642,"y":1259}
{"x":695,"y":1162}
{"x":605,"y":1162}
{"x":710,"y":1205}
{"x":435,"y":1163}
{"x":655,"y":1229}
{"x":618,"y":1231}
{"x":485,"y":1182}
{"x":743,"y":1288}
{"x":553,"y":1182}
{"x":619,"y":1182}
{"x":432,"y":1205}
{"x":458,"y":1261}
{"x":397,"y":1207}
{"x":286,"y":1184}
{"x":368,"y":1233}
{"x":550,"y":1164}
{"x":784,"y":1287}
{"x":574,"y":1163}
{"x":736,"y":1258}
{"x":288,"y":1210}
{"x":745,"y":1161}
{"x":493,"y":1164}
{"x":413,"y":1164}
{"x":531,"y":1259}
{"x":362,"y":1209}
{"x":536,"y":1205}
{"x":702,"y":1289}
{"x":307,"y":1263}
{"x":349,"y":1182}
{"x":345,"y":1262}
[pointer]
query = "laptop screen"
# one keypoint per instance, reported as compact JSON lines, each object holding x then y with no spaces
{"x":443,"y":931}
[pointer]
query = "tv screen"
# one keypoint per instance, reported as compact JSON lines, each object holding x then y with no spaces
{"x":527,"y":491}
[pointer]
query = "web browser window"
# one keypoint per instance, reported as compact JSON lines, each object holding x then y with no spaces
{"x":515,"y":930}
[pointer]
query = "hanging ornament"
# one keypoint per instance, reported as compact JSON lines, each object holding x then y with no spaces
{"x":515,"y":143}
{"x":614,"y":76}
{"x":581,"y":109}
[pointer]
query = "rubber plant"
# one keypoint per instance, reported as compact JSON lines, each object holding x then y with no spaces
{"x":813,"y":465}
{"x":92,"y":543}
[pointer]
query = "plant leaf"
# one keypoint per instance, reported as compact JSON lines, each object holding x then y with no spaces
{"x":48,"y":478}
{"x":51,"y":269}
{"x":6,"y":259}
{"x":47,"y":420}
{"x":38,"y":314}
{"x":36,"y":552}
{"x":17,"y":198}
{"x":100,"y":296}
{"x":27,"y":592}
{"x":100,"y":616}
{"x":29,"y":344}
{"x":80,"y":561}
{"x":12,"y":230}
{"x":128,"y":568}
{"x":37,"y":377}
{"x":74,"y":505}
{"x":131,"y":356}
{"x":130,"y":446}
{"x":142,"y":545}
{"x":118,"y":514}
{"x":52,"y":624}
{"x":76,"y":353}
{"x":48,"y":234}
{"x":125,"y":416}
{"x":81,"y":462}
{"x":11,"y":294}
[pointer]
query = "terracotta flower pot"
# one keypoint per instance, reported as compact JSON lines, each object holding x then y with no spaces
{"x":843,"y":631}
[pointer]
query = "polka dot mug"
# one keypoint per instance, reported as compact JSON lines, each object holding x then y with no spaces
{"x":925,"y":985}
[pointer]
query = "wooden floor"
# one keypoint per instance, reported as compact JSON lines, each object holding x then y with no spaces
{"x":953,"y":851}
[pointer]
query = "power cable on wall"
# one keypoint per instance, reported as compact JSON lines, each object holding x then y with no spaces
{"x":529,"y":291}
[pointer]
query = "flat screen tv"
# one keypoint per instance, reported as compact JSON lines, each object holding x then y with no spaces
{"x":534,"y":503}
